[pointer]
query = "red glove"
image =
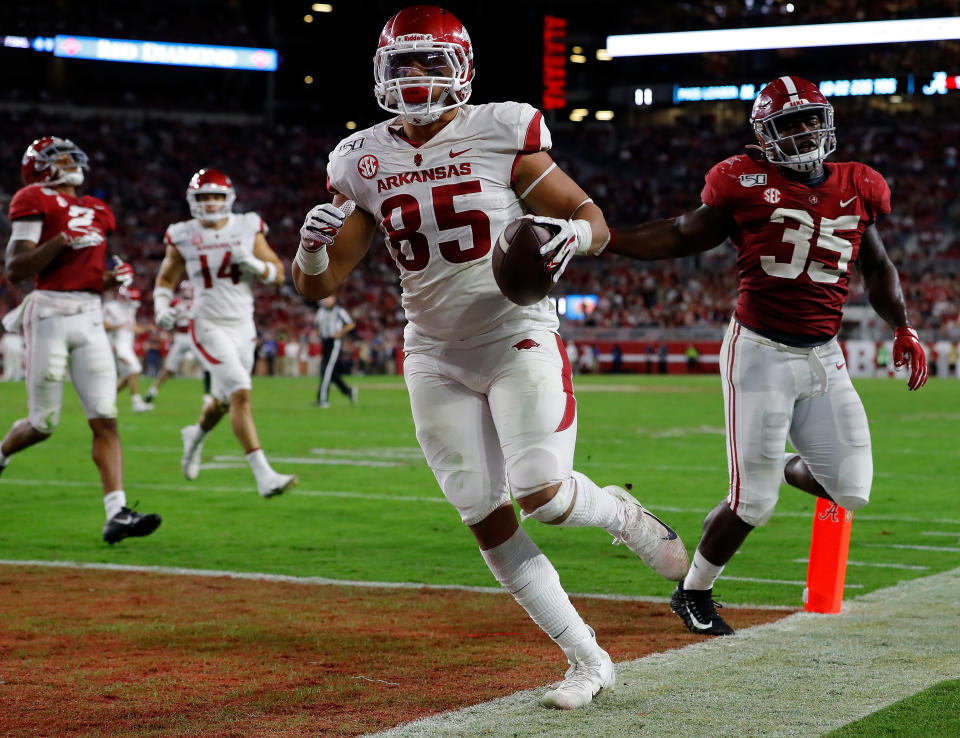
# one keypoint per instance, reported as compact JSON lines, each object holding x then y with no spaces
{"x":908,"y":349}
{"x":122,"y":272}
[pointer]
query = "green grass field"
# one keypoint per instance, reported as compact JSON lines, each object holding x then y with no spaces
{"x":368,"y":508}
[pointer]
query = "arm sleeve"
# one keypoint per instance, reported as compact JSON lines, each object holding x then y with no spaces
{"x":532,"y":134}
{"x":716,"y":190}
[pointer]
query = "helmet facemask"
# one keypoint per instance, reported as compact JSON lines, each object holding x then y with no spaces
{"x":408,"y":74}
{"x":802,"y":151}
{"x":61,"y":156}
{"x":199,"y":208}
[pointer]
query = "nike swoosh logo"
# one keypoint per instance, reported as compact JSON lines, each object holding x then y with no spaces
{"x":840,"y":366}
{"x":696,"y":623}
{"x":455,"y":154}
{"x":122,"y":521}
{"x":844,"y":203}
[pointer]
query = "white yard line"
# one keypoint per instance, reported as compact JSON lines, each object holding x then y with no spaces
{"x":803,"y":675}
{"x":878,"y":565}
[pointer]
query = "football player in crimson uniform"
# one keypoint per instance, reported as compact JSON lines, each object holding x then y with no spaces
{"x":120,"y":321}
{"x":798,"y":224}
{"x":489,"y":381}
{"x":221,"y":253}
{"x":59,"y":239}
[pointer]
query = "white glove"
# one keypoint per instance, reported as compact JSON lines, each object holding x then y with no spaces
{"x":122,"y":272}
{"x":572,"y":238}
{"x":163,"y":315}
{"x":265,"y":271}
{"x":83,"y":242}
{"x":323,"y":223}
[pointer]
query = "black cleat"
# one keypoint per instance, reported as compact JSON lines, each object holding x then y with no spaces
{"x":129,"y":523}
{"x":697,"y":609}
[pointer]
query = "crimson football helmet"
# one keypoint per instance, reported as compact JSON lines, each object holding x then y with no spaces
{"x":422,"y":49}
{"x":210,"y":181}
{"x":40,"y":162}
{"x":786,"y":96}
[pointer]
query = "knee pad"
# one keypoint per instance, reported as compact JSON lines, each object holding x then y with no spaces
{"x":757,"y":513}
{"x":45,"y":424}
{"x":533,"y":470}
{"x":854,"y":479}
{"x":555,"y":507}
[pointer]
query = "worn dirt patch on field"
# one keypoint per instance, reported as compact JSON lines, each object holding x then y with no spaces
{"x":114,"y":653}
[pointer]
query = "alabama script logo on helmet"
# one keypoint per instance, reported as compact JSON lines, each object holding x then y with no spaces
{"x":424,"y":64}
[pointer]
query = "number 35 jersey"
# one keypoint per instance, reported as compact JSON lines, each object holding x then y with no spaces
{"x":796,"y":243}
{"x":441,"y":206}
{"x":220,"y":288}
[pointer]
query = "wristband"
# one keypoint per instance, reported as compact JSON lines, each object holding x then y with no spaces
{"x":162,"y":296}
{"x":584,"y":232}
{"x":312,"y":262}
{"x":271,"y":274}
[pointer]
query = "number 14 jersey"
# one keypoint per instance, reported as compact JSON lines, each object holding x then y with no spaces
{"x":795,"y":242}
{"x":442,"y":205}
{"x":220,"y":288}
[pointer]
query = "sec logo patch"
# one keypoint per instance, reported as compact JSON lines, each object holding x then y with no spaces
{"x":772,"y":195}
{"x":368,"y":166}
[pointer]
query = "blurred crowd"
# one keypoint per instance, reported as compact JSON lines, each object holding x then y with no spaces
{"x":141,"y":167}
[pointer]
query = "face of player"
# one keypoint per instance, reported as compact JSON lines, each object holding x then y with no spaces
{"x":801,"y":128}
{"x":420,"y":64}
{"x":70,"y":172}
{"x":213,"y":204}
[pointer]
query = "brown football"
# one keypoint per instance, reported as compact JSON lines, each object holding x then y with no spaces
{"x":518,"y":267}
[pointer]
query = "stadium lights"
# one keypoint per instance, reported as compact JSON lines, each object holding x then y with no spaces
{"x":603,"y":115}
{"x":308,"y":18}
{"x":785,"y":37}
{"x":308,"y":80}
{"x":578,"y":58}
{"x":322,"y":8}
{"x":578,"y":114}
{"x":603,"y":55}
{"x":351,"y":125}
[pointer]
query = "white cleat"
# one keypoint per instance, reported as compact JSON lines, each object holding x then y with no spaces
{"x":140,"y":405}
{"x":276,"y":485}
{"x":655,"y":542}
{"x":591,"y":670}
{"x":192,"y":448}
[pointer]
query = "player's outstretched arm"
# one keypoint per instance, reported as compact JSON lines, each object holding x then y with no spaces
{"x":882,"y":285}
{"x":699,"y":230}
{"x":333,"y":240}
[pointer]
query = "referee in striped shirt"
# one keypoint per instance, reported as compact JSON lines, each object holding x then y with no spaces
{"x":333,"y":323}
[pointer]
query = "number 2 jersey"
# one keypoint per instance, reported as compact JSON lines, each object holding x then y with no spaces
{"x":795,"y":243}
{"x":220,"y":289}
{"x":442,"y":205}
{"x":87,"y":217}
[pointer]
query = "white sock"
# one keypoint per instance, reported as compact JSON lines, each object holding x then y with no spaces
{"x":153,"y":391}
{"x":258,"y":462}
{"x":4,"y":459}
{"x":114,"y":501}
{"x":201,"y":434}
{"x":593,"y":506}
{"x":529,"y":576}
{"x":702,"y":573}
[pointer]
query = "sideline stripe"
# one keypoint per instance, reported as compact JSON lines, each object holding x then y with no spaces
{"x":804,"y":675}
{"x":288,"y":579}
{"x":877,"y":565}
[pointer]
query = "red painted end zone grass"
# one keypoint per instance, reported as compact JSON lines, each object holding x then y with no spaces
{"x":100,"y":653}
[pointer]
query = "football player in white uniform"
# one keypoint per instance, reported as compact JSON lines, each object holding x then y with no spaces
{"x":221,"y":253}
{"x":120,"y":322}
{"x":489,"y":381}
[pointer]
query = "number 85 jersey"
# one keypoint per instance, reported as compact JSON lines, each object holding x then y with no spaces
{"x":795,"y":242}
{"x":441,"y":205}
